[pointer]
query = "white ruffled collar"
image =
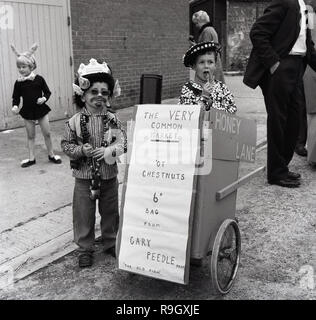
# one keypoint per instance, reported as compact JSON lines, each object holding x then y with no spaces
{"x":31,"y":77}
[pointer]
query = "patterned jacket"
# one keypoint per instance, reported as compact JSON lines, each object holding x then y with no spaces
{"x":114,"y":136}
{"x":221,"y":98}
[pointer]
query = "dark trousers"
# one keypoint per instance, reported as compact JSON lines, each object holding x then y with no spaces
{"x":84,"y":214}
{"x":302,"y":134}
{"x":283,"y":95}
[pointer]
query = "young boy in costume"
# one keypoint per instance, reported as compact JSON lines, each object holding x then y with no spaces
{"x":93,"y":139}
{"x":205,"y":90}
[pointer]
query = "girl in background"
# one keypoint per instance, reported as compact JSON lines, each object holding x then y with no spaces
{"x":35,"y":93}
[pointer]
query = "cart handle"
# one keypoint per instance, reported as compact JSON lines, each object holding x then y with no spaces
{"x":221,"y":194}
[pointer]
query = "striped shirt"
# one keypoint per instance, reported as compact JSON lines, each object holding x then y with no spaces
{"x":72,"y":142}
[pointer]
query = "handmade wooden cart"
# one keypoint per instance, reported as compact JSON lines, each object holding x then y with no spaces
{"x":216,"y":234}
{"x":213,"y":230}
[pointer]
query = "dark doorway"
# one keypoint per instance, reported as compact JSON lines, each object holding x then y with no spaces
{"x":205,"y":5}
{"x":217,"y":11}
{"x":220,"y":18}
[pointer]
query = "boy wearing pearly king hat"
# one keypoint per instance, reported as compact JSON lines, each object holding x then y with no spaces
{"x":35,"y":93}
{"x":205,"y":90}
{"x":93,"y":140}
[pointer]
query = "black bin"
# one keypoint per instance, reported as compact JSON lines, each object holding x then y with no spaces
{"x":150,"y":89}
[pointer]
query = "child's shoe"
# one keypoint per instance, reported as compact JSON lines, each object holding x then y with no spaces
{"x":55,"y":159}
{"x":85,"y":260}
{"x":111,"y":251}
{"x":27,"y":163}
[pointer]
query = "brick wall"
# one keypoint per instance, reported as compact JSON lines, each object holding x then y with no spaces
{"x":241,"y":16}
{"x":134,"y":37}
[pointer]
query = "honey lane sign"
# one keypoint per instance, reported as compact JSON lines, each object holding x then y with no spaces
{"x":234,"y":138}
{"x":155,"y":224}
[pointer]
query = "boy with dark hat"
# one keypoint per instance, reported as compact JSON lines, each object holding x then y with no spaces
{"x":205,"y":90}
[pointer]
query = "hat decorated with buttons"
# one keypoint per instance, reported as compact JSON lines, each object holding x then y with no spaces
{"x":199,"y":49}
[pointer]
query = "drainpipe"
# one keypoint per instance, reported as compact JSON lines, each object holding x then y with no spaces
{"x":226,"y":60}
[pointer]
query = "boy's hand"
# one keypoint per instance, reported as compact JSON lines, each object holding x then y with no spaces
{"x":208,"y":86}
{"x":104,"y":154}
{"x":41,"y":100}
{"x":98,"y":153}
{"x":15,"y":110}
{"x":87,"y":150}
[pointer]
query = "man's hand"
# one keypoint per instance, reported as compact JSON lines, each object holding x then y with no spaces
{"x":41,"y":100}
{"x":274,"y":67}
{"x":15,"y":110}
{"x":87,"y":150}
{"x":191,"y":40}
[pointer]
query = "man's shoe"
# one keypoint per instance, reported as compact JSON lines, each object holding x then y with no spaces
{"x":287,"y":183}
{"x":293,"y":175}
{"x":85,"y":260}
{"x":301,"y":151}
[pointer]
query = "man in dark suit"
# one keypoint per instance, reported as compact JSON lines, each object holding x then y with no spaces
{"x":282,"y":47}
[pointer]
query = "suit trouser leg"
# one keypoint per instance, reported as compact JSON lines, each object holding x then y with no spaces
{"x":302,"y":136}
{"x":279,"y":90}
{"x":311,"y":141}
{"x":109,"y":212}
{"x":83,"y":216}
{"x":296,"y":121}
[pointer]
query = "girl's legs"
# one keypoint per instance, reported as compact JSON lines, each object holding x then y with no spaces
{"x":44,"y":124}
{"x":30,"y":130}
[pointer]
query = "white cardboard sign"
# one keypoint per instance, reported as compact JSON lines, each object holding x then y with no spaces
{"x":154,"y":236}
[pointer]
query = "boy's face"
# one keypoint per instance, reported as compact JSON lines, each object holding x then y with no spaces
{"x":24,"y":69}
{"x":205,"y":66}
{"x":97,"y":96}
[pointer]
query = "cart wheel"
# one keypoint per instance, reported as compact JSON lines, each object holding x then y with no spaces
{"x":225,"y":257}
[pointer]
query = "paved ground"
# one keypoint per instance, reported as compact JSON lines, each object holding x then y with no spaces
{"x":36,"y":221}
{"x":278,"y":228}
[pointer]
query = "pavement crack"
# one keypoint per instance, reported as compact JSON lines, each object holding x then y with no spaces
{"x":22,"y":265}
{"x":21,"y":224}
{"x":35,"y":247}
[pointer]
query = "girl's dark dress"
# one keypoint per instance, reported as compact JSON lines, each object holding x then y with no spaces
{"x":30,"y":91}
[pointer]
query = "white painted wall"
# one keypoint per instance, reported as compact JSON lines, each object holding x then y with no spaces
{"x":23,"y":22}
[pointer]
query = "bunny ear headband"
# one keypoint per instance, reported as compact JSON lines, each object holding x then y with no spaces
{"x":29,"y":55}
